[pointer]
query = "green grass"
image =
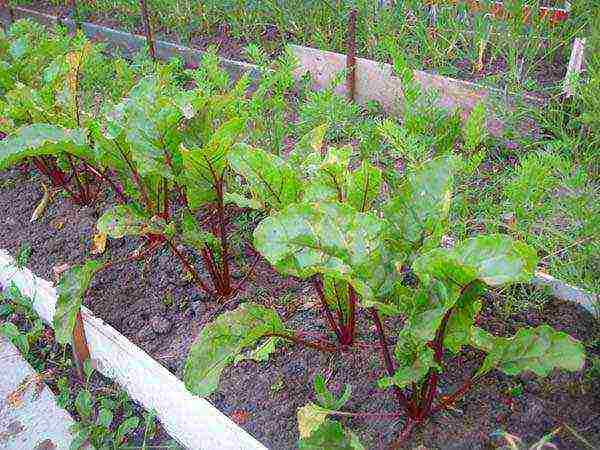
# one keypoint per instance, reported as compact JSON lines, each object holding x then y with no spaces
{"x":448,"y":39}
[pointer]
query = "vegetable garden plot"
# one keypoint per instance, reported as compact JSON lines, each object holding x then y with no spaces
{"x":366,"y":255}
{"x":445,"y":38}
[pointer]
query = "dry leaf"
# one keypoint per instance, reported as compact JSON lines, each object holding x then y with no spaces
{"x":99,"y":243}
{"x":15,"y":398}
{"x":41,"y":207}
{"x":58,"y":223}
{"x":240,"y":417}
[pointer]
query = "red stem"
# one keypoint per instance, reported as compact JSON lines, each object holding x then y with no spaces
{"x":317,"y":283}
{"x":433,"y":379}
{"x":389,"y":364}
{"x":223,"y":235}
{"x":352,"y":297}
{"x":241,"y":283}
{"x":209,"y":262}
{"x":321,"y":346}
{"x":190,"y":269}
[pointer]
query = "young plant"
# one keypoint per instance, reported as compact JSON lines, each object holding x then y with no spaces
{"x":41,"y":108}
{"x":393,"y":261}
{"x":274,"y":184}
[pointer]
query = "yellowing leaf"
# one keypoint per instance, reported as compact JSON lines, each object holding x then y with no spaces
{"x":42,"y":205}
{"x":99,"y":243}
{"x":310,"y":417}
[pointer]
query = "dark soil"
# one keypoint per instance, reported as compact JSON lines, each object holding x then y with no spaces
{"x":547,"y":73}
{"x":157,"y":308}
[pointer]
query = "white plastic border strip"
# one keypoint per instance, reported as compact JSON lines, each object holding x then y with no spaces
{"x":192,"y":421}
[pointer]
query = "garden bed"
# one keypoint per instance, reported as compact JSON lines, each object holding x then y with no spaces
{"x":444,"y":40}
{"x":160,"y":311}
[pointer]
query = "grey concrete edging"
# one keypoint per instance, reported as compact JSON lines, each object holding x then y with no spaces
{"x":29,"y":415}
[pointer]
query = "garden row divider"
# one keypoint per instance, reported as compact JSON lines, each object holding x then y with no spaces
{"x":192,"y":421}
{"x":374,"y":80}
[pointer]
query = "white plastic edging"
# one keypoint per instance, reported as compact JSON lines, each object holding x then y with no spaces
{"x":566,"y":292}
{"x":192,"y":421}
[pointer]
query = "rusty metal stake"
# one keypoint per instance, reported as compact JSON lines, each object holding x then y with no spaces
{"x":11,"y":12}
{"x":148,"y":29}
{"x":75,"y":14}
{"x":81,"y":351}
{"x":351,"y":57}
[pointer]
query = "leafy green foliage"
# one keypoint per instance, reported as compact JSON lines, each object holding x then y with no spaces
{"x":72,"y":287}
{"x":418,"y":213}
{"x":539,"y":350}
{"x":124,"y":220}
{"x":493,"y":259}
{"x":474,"y":130}
{"x":331,"y":435}
{"x":272,"y":182}
{"x":222,"y":340}
{"x":331,"y":239}
{"x":41,"y":140}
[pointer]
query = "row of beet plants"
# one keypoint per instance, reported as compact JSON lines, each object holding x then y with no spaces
{"x":174,"y":158}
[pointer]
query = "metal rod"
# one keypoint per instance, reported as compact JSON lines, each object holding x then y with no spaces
{"x":148,"y":29}
{"x":351,"y":58}
{"x":75,"y":14}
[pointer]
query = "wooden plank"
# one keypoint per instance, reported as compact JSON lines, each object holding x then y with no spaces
{"x":376,"y":81}
{"x":574,"y":67}
{"x":192,"y":421}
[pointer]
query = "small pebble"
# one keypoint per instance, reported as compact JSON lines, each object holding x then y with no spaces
{"x":160,"y":325}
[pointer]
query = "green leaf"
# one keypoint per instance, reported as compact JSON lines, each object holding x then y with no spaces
{"x":494,"y":259}
{"x":84,"y":404}
{"x":411,"y":368}
{"x":330,"y":435}
{"x":364,"y":186}
{"x":418,"y":213}
{"x":331,"y":239}
{"x":192,"y":235}
{"x":309,"y":144}
{"x":540,"y":350}
{"x":222,"y":340}
{"x":326,"y":399}
{"x":71,"y":289}
{"x":262,"y":352}
{"x":459,"y":328}
{"x":329,"y":182}
{"x":270,"y":178}
{"x":80,"y":439}
{"x":474,"y":129}
{"x":105,"y":418}
{"x":242,"y":201}
{"x":204,"y":165}
{"x":310,"y":418}
{"x":127,"y":426}
{"x":18,"y":339}
{"x":124,"y":220}
{"x":39,"y":140}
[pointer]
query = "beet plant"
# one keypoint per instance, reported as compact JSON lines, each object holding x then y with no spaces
{"x":42,"y":110}
{"x":163,"y":151}
{"x":385,"y":246}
